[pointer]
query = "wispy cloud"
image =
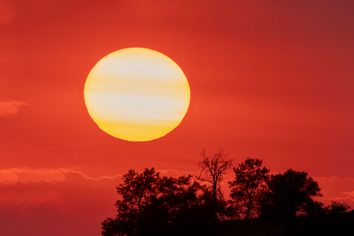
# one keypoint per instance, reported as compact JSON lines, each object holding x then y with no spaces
{"x":35,"y":187}
{"x":29,"y":175}
{"x":9,"y":108}
{"x":350,"y":194}
{"x":336,"y":188}
{"x":40,"y":198}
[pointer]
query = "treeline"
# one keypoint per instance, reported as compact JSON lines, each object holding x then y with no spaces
{"x":260,"y":203}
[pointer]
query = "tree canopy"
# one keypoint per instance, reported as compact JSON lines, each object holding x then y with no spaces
{"x":289,"y":194}
{"x":151,"y":204}
{"x":247,"y":187}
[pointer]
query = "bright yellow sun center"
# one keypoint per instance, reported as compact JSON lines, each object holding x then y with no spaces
{"x":137,"y":94}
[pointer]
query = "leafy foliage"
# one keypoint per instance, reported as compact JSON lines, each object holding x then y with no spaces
{"x":151,"y":204}
{"x":248,"y":187}
{"x":288,"y":195}
{"x":148,"y":201}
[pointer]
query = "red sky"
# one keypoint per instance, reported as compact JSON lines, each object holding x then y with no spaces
{"x":269,"y":79}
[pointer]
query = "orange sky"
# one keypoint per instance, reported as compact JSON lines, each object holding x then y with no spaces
{"x":269,"y":79}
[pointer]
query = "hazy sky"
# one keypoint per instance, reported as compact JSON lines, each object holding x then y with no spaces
{"x":269,"y":79}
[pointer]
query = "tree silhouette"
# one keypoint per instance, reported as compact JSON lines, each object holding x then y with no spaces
{"x":288,"y":195}
{"x":149,"y":203}
{"x":213,"y":168}
{"x":248,"y":187}
{"x":137,"y":191}
{"x":337,"y":208}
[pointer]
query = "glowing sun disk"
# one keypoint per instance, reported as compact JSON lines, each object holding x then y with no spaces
{"x":137,"y":94}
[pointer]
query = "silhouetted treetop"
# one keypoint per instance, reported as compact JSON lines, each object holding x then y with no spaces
{"x":337,"y":208}
{"x":248,"y":187}
{"x":260,"y":204}
{"x":288,"y":194}
{"x":147,"y":200}
{"x":213,"y":168}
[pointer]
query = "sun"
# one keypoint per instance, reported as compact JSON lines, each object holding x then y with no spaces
{"x":137,"y":94}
